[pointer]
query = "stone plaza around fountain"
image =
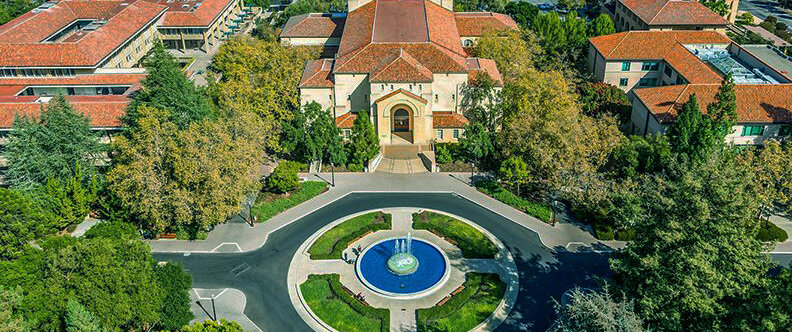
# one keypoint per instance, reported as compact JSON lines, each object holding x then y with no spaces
{"x":403,"y":306}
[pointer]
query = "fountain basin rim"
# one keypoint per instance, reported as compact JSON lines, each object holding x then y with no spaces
{"x":425,"y":292}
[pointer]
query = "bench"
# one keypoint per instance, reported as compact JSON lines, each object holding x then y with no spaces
{"x":167,"y":236}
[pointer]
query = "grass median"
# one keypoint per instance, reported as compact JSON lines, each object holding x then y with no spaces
{"x":335,"y":306}
{"x":472,"y":242}
{"x":269,"y":205}
{"x":539,"y":210}
{"x":332,"y":243}
{"x":481,"y":295}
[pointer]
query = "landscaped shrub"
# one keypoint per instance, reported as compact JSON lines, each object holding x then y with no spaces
{"x":284,"y":178}
{"x":472,"y":242}
{"x":355,"y":167}
{"x":540,"y":210}
{"x":481,"y":295}
{"x":328,"y":300}
{"x":603,"y":232}
{"x":332,"y":243}
{"x":443,"y":155}
{"x":769,"y":232}
{"x":268,"y":205}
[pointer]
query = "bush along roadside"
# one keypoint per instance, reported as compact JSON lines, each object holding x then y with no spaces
{"x":540,"y":210}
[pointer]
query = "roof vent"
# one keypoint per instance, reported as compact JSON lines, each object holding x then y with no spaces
{"x":43,"y":7}
{"x":43,"y":99}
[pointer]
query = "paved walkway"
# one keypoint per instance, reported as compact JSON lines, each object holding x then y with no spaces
{"x":229,"y":303}
{"x":402,"y":309}
{"x":235,"y":236}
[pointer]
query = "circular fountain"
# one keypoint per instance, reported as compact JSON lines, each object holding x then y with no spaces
{"x":402,"y":267}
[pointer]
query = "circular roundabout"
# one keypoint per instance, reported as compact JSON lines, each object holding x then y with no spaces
{"x":402,"y":267}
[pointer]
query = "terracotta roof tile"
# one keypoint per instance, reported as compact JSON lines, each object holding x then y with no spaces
{"x":104,"y":111}
{"x":20,"y":44}
{"x":674,"y":12}
{"x":401,"y":67}
{"x":317,"y":74}
{"x":97,"y":79}
{"x":313,"y":25}
{"x":448,"y":120}
{"x":346,"y":120}
{"x":478,"y":65}
{"x":202,"y":16}
{"x":473,"y":24}
{"x":761,"y":103}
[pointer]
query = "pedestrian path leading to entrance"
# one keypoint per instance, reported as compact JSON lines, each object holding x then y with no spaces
{"x":401,"y":166}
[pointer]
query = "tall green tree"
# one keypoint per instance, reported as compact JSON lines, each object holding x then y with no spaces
{"x":21,"y":220}
{"x":72,"y":197}
{"x":477,"y":144}
{"x":695,"y":263}
{"x":10,"y":319}
{"x":692,"y":134}
{"x":365,"y":143}
{"x":296,"y":141}
{"x":326,"y":135}
{"x":723,"y":110}
{"x":79,"y":319}
{"x":589,"y":311}
{"x":52,"y":146}
{"x":167,"y":87}
{"x":480,"y":102}
{"x":175,"y":284}
{"x":602,"y":25}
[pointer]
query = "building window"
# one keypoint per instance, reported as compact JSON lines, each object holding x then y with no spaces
{"x":647,"y":82}
{"x":624,"y":81}
{"x":625,"y":66}
{"x":456,"y":133}
{"x":752,"y":130}
{"x":650,"y":66}
{"x":785,"y":130}
{"x":667,"y":70}
{"x":680,"y":80}
{"x":439,"y":134}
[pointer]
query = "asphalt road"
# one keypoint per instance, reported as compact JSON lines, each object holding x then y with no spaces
{"x":545,"y":274}
{"x":763,"y":8}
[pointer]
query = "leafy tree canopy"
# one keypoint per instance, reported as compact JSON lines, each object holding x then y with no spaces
{"x":52,"y":146}
{"x":589,"y":311}
{"x":21,"y":220}
{"x":365,"y":143}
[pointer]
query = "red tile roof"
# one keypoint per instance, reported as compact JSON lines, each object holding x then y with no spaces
{"x":314,"y":25}
{"x":12,"y":86}
{"x":104,"y":111}
{"x":346,"y":120}
{"x":20,"y":40}
{"x":476,"y":66}
{"x":674,"y":12}
{"x":401,"y":67}
{"x":761,"y":103}
{"x":405,"y":92}
{"x":317,"y":74}
{"x":203,"y":16}
{"x":663,"y":45}
{"x":473,"y":24}
{"x":448,"y":120}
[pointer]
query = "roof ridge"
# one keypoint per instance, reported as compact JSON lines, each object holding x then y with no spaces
{"x":676,"y":100}
{"x":613,"y":49}
{"x":658,"y":12}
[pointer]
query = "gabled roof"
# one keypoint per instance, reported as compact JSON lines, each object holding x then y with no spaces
{"x":381,"y":29}
{"x":760,"y":103}
{"x":401,"y":67}
{"x":404,"y":92}
{"x":448,"y":120}
{"x":317,"y":74}
{"x":674,"y":12}
{"x":474,"y":24}
{"x":104,"y":111}
{"x":477,"y":66}
{"x":21,"y":40}
{"x":346,"y":120}
{"x":314,"y":25}
{"x":663,"y":45}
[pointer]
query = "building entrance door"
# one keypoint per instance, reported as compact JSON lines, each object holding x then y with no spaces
{"x":401,"y":120}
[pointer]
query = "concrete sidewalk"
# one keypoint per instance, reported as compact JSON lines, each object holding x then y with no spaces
{"x":236,"y":237}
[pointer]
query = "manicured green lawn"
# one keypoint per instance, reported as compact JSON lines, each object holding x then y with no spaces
{"x":474,"y":244}
{"x":466,"y":309}
{"x":332,"y":243}
{"x":268,"y":205}
{"x":337,"y":308}
{"x":540,"y":210}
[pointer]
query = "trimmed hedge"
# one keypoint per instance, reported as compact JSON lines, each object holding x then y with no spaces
{"x":113,"y":230}
{"x":332,"y":243}
{"x":264,"y":209}
{"x":769,"y":232}
{"x":540,"y":210}
{"x":327,"y":298}
{"x":482,"y":294}
{"x":472,"y":242}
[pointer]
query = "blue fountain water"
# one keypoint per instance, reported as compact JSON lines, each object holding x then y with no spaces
{"x":374,"y":268}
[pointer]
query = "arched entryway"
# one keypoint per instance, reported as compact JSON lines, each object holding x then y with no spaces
{"x":401,"y":125}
